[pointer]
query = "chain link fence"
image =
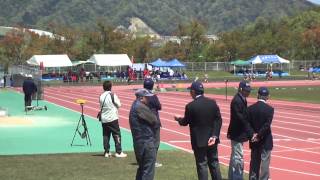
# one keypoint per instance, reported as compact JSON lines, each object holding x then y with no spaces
{"x":225,"y":66}
{"x":19,"y":73}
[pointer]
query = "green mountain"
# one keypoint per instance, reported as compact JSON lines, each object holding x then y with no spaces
{"x":162,"y":16}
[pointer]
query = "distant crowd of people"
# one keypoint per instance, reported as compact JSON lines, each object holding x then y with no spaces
{"x":128,"y":75}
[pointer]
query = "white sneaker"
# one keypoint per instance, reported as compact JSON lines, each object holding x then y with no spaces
{"x":107,"y":155}
{"x":158,"y":164}
{"x":121,"y":155}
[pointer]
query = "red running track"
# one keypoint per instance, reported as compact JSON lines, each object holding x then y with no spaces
{"x":296,"y":153}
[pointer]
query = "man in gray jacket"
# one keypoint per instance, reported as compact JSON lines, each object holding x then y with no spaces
{"x":109,"y":104}
{"x":142,"y":124}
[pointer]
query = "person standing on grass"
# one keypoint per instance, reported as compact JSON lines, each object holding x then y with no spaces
{"x":204,"y":120}
{"x":110,"y":104}
{"x":155,"y":106}
{"x":239,"y":130}
{"x":260,"y":118}
{"x":142,"y":124}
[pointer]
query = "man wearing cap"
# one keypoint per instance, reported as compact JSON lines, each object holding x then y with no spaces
{"x":29,"y":88}
{"x":155,"y":106}
{"x":142,"y":122}
{"x":239,"y":130}
{"x":204,"y":120}
{"x":260,"y":118}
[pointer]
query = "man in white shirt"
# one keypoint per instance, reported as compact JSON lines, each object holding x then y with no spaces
{"x":109,"y":104}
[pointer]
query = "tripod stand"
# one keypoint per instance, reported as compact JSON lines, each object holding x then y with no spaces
{"x":85,"y":133}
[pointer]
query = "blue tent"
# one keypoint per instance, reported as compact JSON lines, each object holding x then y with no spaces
{"x":159,"y":63}
{"x":175,"y":63}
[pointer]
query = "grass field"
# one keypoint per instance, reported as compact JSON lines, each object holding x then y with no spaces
{"x":177,"y":165}
{"x":300,"y":94}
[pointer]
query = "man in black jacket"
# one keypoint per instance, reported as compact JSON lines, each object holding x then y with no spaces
{"x":260,"y":118}
{"x":239,"y":130}
{"x":155,"y":106}
{"x":28,"y":87}
{"x":204,"y":120}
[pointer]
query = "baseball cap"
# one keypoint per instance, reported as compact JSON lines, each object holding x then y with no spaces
{"x":148,"y":83}
{"x":196,"y":86}
{"x":142,"y":93}
{"x":244,"y":85}
{"x":263,"y":91}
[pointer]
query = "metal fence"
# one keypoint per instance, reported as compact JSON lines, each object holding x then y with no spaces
{"x":225,"y":66}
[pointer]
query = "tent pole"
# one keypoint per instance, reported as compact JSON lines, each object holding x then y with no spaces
{"x":289,"y":68}
{"x":251,"y":68}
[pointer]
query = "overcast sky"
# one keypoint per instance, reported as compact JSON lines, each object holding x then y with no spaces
{"x":315,"y":1}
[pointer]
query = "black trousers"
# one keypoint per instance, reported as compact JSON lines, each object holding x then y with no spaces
{"x":157,"y":138}
{"x":207,"y":156}
{"x":27,"y":99}
{"x":259,"y":164}
{"x":114,"y":129}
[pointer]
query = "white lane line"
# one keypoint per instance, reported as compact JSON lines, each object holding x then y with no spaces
{"x":223,"y":112}
{"x":282,"y":169}
{"x":297,"y":149}
{"x":223,"y":104}
{"x":185,"y":141}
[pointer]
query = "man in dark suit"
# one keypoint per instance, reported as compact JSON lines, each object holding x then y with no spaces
{"x":28,"y":87}
{"x":260,"y":118}
{"x":155,"y":106}
{"x":239,"y":130}
{"x":204,"y":120}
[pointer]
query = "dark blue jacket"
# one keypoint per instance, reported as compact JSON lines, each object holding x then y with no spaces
{"x":155,"y":106}
{"x":29,"y":87}
{"x":141,"y":129}
{"x":239,"y":128}
{"x":204,"y":120}
{"x":260,"y":118}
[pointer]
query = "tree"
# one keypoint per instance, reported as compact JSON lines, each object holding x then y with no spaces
{"x":311,"y":41}
{"x":13,"y":47}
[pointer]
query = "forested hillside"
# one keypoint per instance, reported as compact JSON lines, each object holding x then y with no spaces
{"x":163,"y":16}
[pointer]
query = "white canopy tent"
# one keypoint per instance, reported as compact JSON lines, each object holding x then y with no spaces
{"x":110,"y":60}
{"x":50,"y":60}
